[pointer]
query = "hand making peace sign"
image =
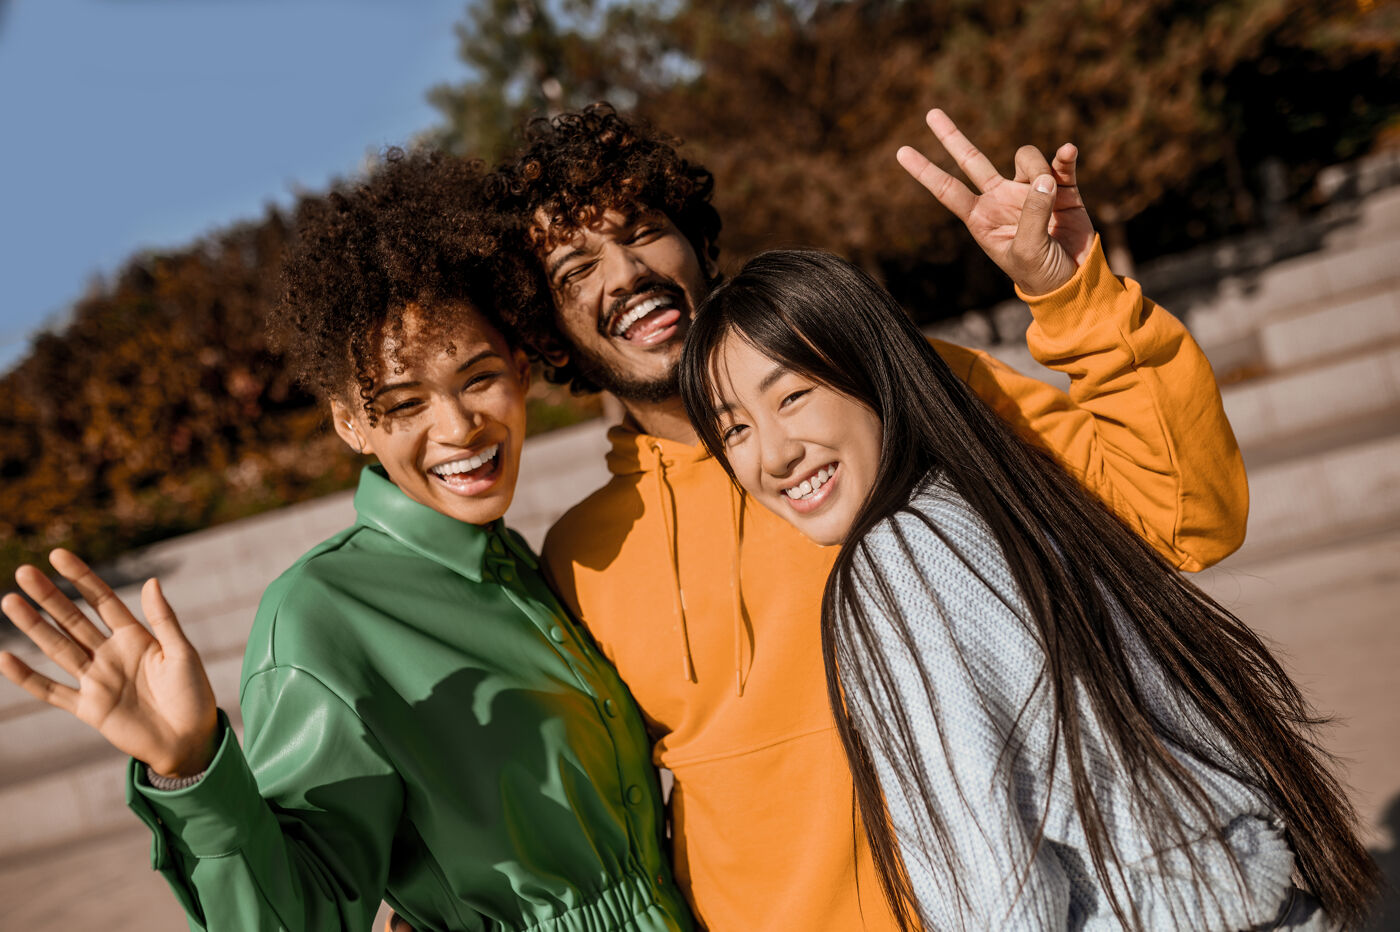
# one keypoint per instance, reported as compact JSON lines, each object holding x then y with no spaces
{"x":1033,"y":226}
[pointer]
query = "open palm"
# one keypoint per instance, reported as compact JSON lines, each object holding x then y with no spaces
{"x":1038,"y":238}
{"x":146,"y":692}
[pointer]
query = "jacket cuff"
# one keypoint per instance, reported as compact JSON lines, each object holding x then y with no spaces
{"x":210,"y":818}
{"x":1091,"y":297}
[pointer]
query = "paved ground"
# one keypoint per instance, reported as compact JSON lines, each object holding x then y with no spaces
{"x":1331,"y":612}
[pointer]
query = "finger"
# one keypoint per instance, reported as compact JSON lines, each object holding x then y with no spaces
{"x":1065,"y":166}
{"x":1033,"y":229}
{"x":164,"y":625}
{"x":1030,"y":163}
{"x":976,"y":166}
{"x":951,"y":192}
{"x":36,"y":684}
{"x":93,"y":589}
{"x":69,"y":655}
{"x":60,"y":608}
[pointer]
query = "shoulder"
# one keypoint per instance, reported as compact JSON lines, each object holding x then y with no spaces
{"x":308,"y":606}
{"x":599,"y":522}
{"x":936,"y":565}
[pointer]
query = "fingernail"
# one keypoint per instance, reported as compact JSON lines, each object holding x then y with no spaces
{"x":1043,"y":184}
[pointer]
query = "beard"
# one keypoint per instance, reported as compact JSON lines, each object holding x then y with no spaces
{"x":611,"y":378}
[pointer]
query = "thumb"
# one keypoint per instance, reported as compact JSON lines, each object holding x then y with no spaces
{"x":1033,"y":229}
{"x":164,"y":625}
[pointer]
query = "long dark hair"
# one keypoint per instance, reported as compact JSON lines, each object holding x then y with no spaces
{"x":819,"y":316}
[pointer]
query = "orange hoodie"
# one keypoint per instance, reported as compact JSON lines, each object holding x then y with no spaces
{"x":709,"y":604}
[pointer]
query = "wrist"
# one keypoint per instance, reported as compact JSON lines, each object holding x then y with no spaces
{"x":194,"y":762}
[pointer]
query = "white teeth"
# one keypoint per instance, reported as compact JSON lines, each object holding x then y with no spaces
{"x":637,"y":313}
{"x":468,"y":464}
{"x":808,"y":487}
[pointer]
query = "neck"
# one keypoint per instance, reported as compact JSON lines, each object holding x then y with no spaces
{"x":663,"y":419}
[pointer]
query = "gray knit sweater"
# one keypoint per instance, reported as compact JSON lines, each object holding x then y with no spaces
{"x":986,"y":765}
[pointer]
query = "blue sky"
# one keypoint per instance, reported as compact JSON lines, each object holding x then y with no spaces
{"x":131,"y":124}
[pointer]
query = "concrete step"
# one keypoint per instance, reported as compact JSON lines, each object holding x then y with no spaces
{"x":1267,"y":410}
{"x":1332,"y":330}
{"x":1323,"y":497}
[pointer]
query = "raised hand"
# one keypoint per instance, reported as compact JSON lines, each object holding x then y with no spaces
{"x":1033,"y":226}
{"x":147,"y":695}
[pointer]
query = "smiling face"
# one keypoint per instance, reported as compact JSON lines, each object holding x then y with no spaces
{"x":451,"y":414}
{"x":625,"y":289}
{"x":804,"y":450}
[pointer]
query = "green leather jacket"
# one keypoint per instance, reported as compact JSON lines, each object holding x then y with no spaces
{"x":424,"y":724}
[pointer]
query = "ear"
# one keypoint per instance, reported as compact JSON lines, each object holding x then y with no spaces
{"x":553,"y":352}
{"x":522,"y":368}
{"x":346,"y":429}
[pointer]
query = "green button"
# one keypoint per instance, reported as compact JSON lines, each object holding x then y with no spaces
{"x":634,"y":795}
{"x":610,"y":707}
{"x":496,"y":546}
{"x":507,"y":574}
{"x":556,"y":634}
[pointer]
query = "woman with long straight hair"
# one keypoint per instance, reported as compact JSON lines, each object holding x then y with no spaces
{"x":1048,"y":727}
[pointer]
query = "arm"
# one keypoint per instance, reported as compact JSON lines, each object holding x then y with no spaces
{"x":294,"y":832}
{"x":958,"y":674}
{"x":313,"y":855}
{"x":1143,"y":426}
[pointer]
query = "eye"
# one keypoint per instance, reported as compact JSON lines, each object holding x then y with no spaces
{"x":731,"y":434}
{"x":790,"y":398}
{"x":643,"y":232}
{"x":481,"y":379}
{"x":403,"y":407}
{"x":575,"y":273}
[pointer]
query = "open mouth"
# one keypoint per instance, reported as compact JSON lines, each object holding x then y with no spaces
{"x":812,"y":491}
{"x":470,"y":475}
{"x":649,"y":321}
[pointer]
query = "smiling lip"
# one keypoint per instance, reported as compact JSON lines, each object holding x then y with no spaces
{"x":470,"y":475}
{"x":648,"y":321}
{"x":819,"y":496}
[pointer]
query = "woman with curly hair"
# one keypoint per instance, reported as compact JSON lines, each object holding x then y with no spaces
{"x":1048,"y":728}
{"x":424,"y":722}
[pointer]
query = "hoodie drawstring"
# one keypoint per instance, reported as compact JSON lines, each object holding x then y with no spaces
{"x":668,"y":500}
{"x":736,"y":513}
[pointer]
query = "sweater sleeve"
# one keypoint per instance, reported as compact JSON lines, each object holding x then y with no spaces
{"x":295,"y":832}
{"x":962,"y":673}
{"x":1143,"y":425}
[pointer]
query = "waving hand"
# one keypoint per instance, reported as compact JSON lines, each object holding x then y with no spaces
{"x":1034,"y":226}
{"x":145,"y":691}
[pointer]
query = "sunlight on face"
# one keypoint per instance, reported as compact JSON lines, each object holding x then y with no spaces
{"x":451,"y":415}
{"x":805,"y":451}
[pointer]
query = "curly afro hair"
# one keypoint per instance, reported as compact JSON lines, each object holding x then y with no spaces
{"x":419,"y":230}
{"x":576,"y":165}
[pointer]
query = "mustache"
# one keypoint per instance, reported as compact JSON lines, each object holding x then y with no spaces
{"x":619,"y":306}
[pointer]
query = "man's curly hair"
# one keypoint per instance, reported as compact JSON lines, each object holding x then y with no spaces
{"x":576,"y":165}
{"x":418,"y":231}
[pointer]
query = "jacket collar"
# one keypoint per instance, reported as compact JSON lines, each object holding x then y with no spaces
{"x":461,"y":547}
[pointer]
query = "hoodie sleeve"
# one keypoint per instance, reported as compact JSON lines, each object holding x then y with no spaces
{"x":1142,"y":426}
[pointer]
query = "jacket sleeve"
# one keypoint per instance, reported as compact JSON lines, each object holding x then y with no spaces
{"x":1143,"y":425}
{"x":295,"y":833}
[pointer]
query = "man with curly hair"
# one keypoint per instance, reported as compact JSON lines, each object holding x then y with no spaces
{"x":708,"y":606}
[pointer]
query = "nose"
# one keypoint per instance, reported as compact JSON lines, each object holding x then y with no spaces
{"x":625,"y":267}
{"x":779,"y":452}
{"x":454,"y":423}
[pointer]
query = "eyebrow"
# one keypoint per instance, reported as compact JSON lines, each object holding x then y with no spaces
{"x":630,"y":219}
{"x":774,"y":374}
{"x":392,"y":386}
